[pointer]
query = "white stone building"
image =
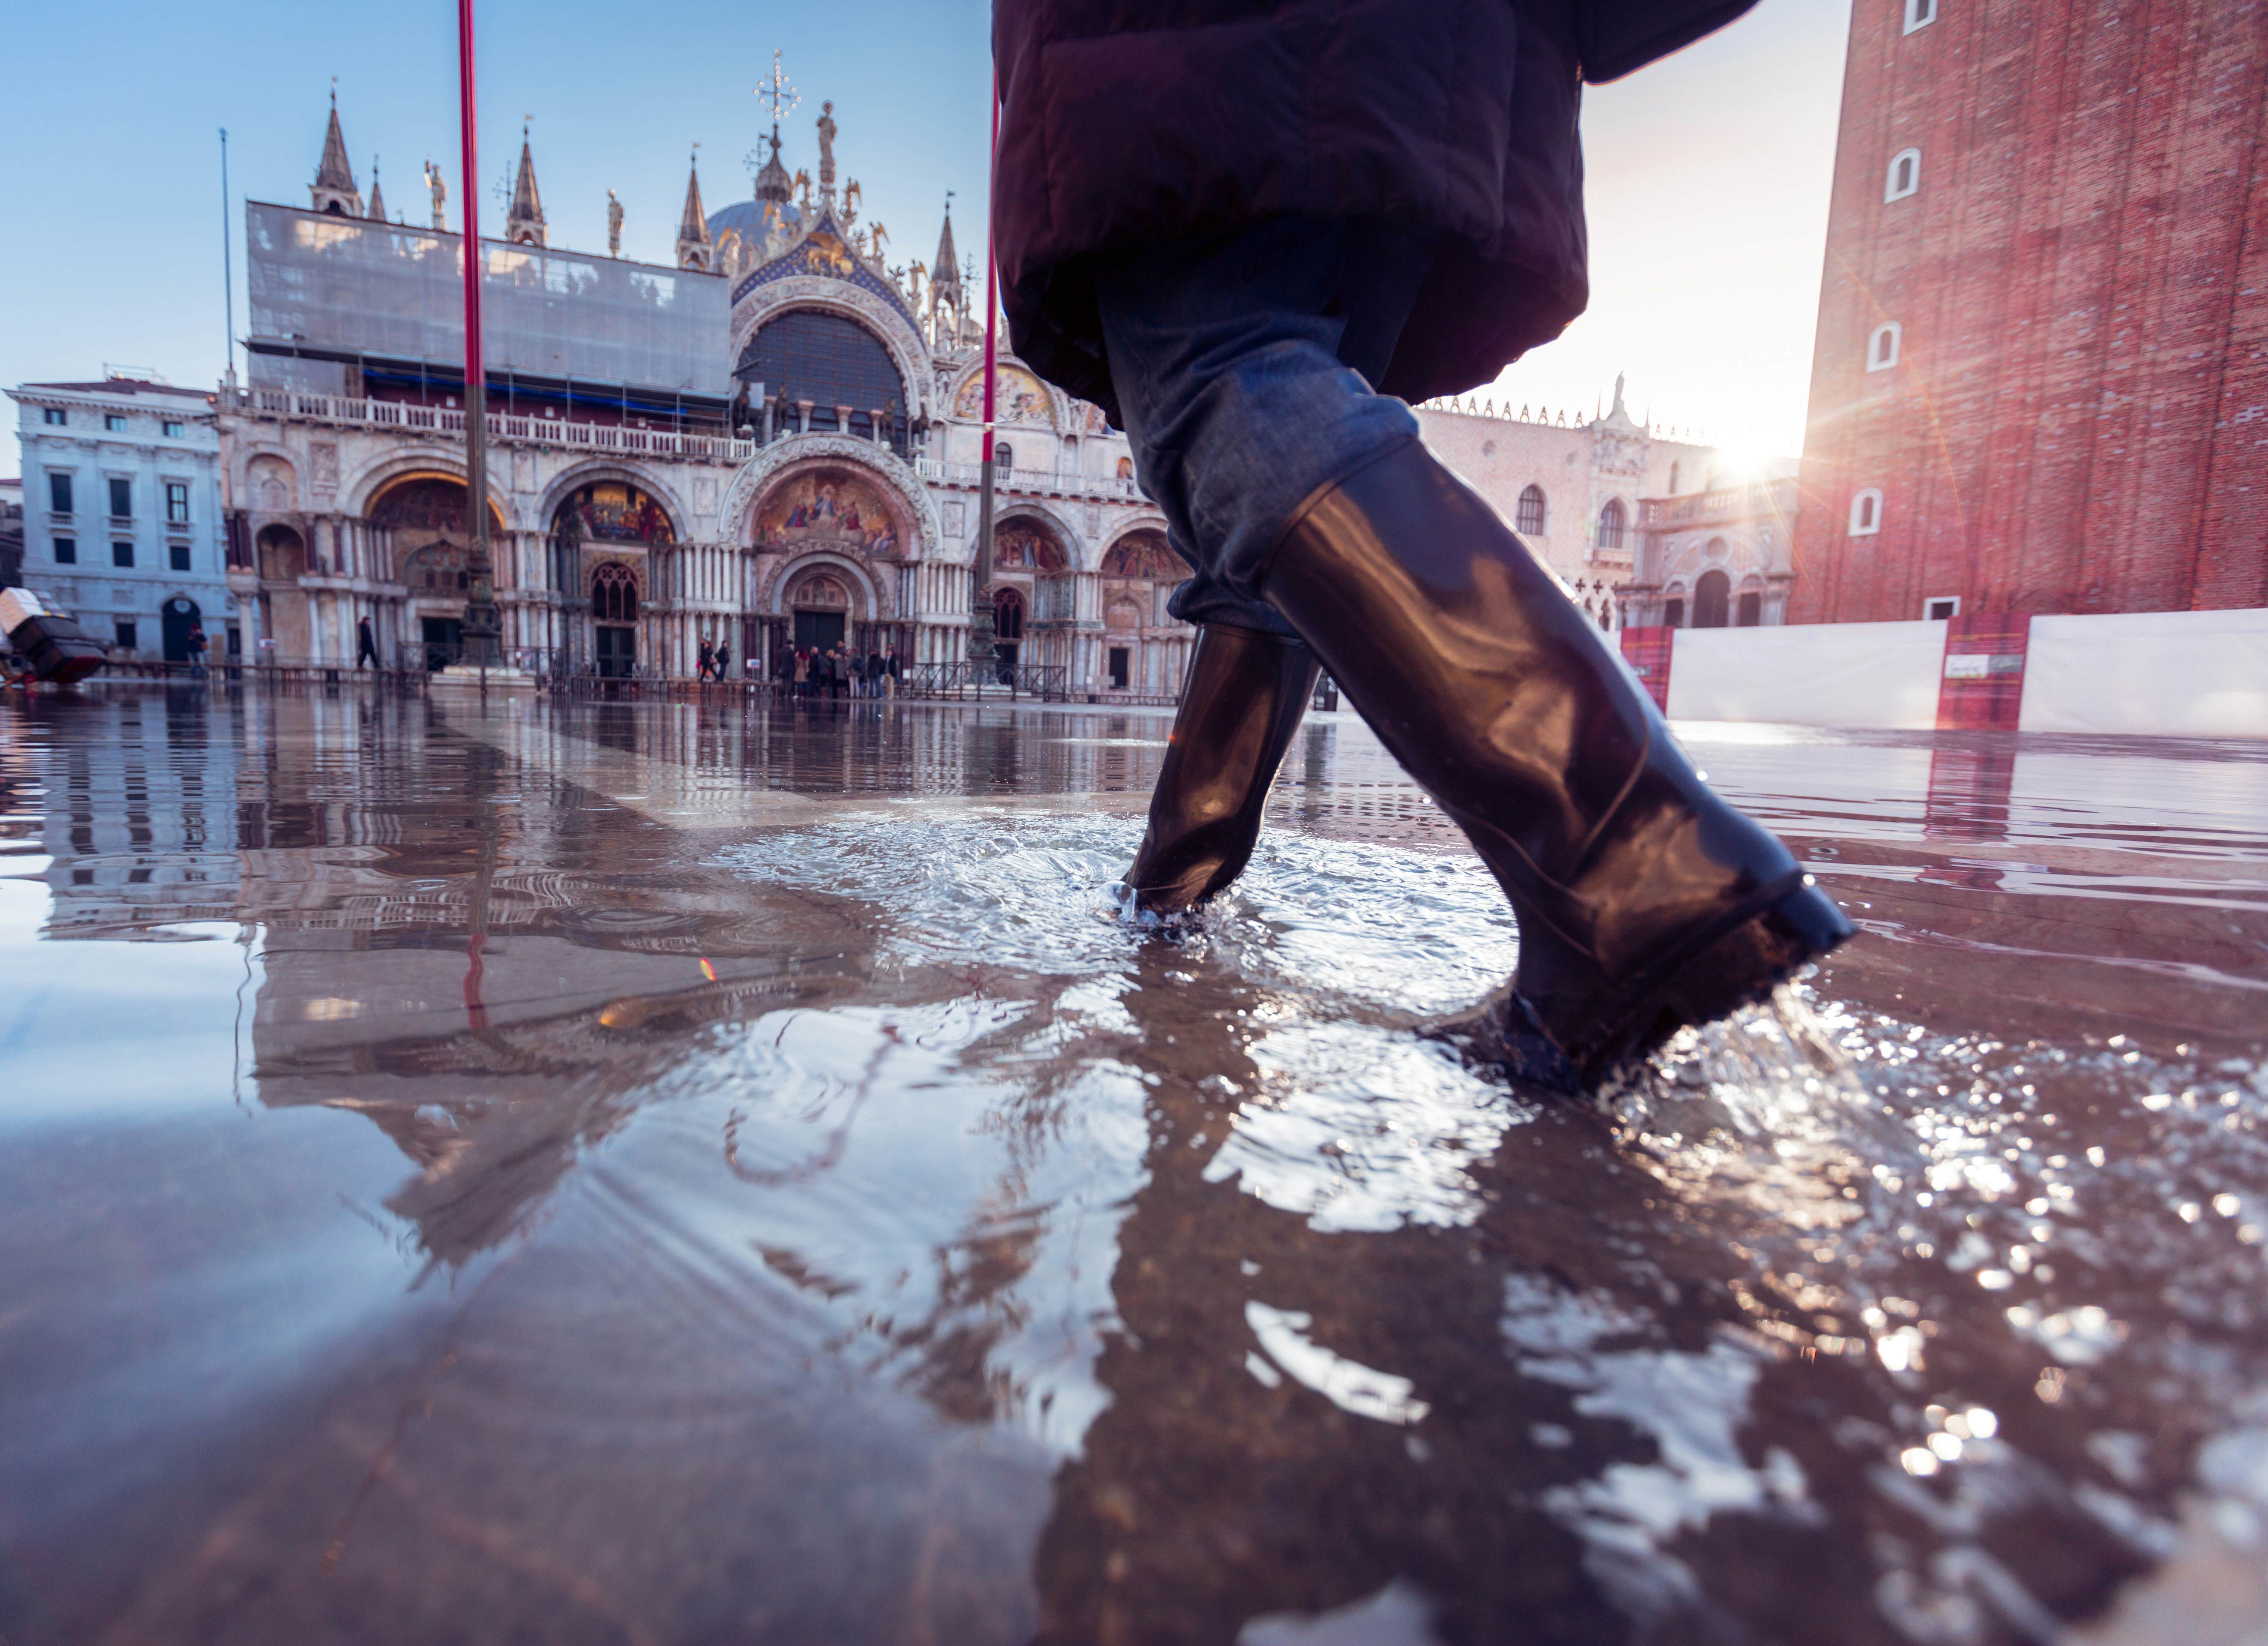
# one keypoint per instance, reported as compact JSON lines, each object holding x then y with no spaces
{"x":776,"y":443}
{"x":1574,"y":490}
{"x":122,"y":516}
{"x":1721,"y":559}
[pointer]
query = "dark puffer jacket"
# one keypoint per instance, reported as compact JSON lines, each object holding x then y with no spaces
{"x":1127,"y":122}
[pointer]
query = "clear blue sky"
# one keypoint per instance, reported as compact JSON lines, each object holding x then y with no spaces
{"x":1708,"y":205}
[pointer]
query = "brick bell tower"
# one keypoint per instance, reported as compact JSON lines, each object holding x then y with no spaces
{"x":2040,"y":382}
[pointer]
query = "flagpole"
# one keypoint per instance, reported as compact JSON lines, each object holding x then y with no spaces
{"x":479,"y":630}
{"x":227,"y":267}
{"x":980,"y":615}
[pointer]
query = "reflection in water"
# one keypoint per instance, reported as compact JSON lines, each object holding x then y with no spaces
{"x":789,"y":1209}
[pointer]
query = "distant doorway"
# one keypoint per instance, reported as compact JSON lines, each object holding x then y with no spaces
{"x":1119,"y":660}
{"x":816,"y":631}
{"x":441,"y":636}
{"x":179,"y":616}
{"x":617,"y":651}
{"x":1713,"y":601}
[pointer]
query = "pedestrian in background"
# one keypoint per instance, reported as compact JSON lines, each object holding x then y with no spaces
{"x":1252,"y":231}
{"x":365,"y":646}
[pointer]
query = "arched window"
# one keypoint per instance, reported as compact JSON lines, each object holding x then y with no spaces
{"x":1530,"y":518}
{"x":1610,"y":524}
{"x":1905,"y":174}
{"x":1748,"y":610}
{"x":1004,"y":456}
{"x":1008,"y":616}
{"x":1673,"y":480}
{"x":1921,"y":14}
{"x":1882,"y":346}
{"x":1866,"y":513}
{"x":1713,"y":599}
{"x":614,"y":593}
{"x":829,"y":361}
{"x":1673,"y":611}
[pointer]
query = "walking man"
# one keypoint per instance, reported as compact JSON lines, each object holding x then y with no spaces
{"x":708,"y":658}
{"x":365,"y":646}
{"x":1252,"y":236}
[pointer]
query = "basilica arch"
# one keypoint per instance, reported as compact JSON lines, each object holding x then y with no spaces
{"x":758,"y":305}
{"x":1143,"y":648}
{"x":761,"y":475}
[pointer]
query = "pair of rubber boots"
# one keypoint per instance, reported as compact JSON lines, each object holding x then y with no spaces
{"x":1644,"y":902}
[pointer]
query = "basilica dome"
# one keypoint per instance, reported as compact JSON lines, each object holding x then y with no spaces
{"x":755,"y":220}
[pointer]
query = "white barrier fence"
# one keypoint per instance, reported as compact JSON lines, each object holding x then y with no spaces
{"x":2176,"y":674}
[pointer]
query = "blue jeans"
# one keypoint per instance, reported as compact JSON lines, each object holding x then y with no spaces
{"x":1243,"y":362}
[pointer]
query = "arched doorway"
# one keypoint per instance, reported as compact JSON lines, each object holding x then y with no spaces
{"x":1137,"y":569}
{"x":1713,"y":601}
{"x":820,"y":605}
{"x":614,"y":613}
{"x":421,"y":517}
{"x":1007,"y":628}
{"x":180,"y":615}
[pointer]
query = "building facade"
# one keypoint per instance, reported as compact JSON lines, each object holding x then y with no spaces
{"x":1578,"y":491}
{"x":122,"y":512}
{"x":2040,"y":382}
{"x":11,"y":531}
{"x":775,"y":443}
{"x":1714,"y":559}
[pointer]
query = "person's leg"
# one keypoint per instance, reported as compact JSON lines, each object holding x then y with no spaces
{"x":1280,"y":330}
{"x":1244,"y":364}
{"x":1644,"y":902}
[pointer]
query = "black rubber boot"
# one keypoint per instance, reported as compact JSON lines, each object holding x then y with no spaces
{"x":1240,"y":703}
{"x":1644,"y":902}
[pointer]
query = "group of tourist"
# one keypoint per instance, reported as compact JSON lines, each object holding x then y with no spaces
{"x":716,"y":660}
{"x":838,"y":671}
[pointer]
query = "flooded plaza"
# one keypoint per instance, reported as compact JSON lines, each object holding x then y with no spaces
{"x":585,"y":1171}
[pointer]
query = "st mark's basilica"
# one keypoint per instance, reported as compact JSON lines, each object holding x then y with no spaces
{"x":775,"y":443}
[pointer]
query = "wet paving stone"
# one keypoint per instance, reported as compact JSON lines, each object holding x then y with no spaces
{"x":716,"y":1172}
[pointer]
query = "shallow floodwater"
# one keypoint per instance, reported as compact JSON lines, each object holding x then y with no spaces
{"x":672,"y":1173}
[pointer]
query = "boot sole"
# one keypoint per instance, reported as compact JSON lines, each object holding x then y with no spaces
{"x":1738,"y":967}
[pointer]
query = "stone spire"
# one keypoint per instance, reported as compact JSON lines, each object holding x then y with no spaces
{"x":945,"y":288}
{"x":334,"y":190}
{"x":377,"y":194}
{"x":523,"y":226}
{"x":694,"y":247}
